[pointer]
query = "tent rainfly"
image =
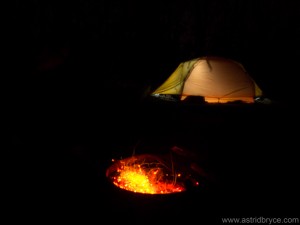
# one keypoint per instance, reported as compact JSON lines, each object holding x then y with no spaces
{"x":216,"y":79}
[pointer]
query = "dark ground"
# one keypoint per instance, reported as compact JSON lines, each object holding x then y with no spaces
{"x":61,"y":154}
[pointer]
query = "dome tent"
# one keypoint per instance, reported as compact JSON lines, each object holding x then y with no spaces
{"x":215,"y":79}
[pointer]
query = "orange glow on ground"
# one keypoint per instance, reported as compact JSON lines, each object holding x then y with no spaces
{"x":145,"y":174}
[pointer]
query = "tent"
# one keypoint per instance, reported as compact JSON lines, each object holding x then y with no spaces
{"x":215,"y":79}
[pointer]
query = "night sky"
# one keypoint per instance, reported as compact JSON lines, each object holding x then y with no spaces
{"x":137,"y":44}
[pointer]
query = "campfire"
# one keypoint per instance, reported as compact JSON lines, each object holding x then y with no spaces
{"x":148,"y":174}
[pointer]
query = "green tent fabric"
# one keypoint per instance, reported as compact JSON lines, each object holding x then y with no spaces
{"x":216,"y":79}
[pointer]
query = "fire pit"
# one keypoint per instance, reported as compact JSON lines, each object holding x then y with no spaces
{"x":148,"y":174}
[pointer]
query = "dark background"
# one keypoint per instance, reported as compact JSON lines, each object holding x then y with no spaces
{"x":75,"y":76}
{"x":134,"y":43}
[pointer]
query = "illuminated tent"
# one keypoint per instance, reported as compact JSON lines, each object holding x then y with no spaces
{"x":215,"y":79}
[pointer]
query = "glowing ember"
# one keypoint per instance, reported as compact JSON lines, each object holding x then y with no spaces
{"x":145,"y":174}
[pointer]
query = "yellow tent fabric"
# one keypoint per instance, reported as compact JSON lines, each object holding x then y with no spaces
{"x":218,"y":80}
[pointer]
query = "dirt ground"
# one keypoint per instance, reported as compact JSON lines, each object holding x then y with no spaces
{"x":61,"y":154}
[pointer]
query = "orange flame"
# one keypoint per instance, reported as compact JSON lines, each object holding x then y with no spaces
{"x":145,"y":177}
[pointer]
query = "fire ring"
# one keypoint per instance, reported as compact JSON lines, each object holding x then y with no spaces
{"x":147,"y":174}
